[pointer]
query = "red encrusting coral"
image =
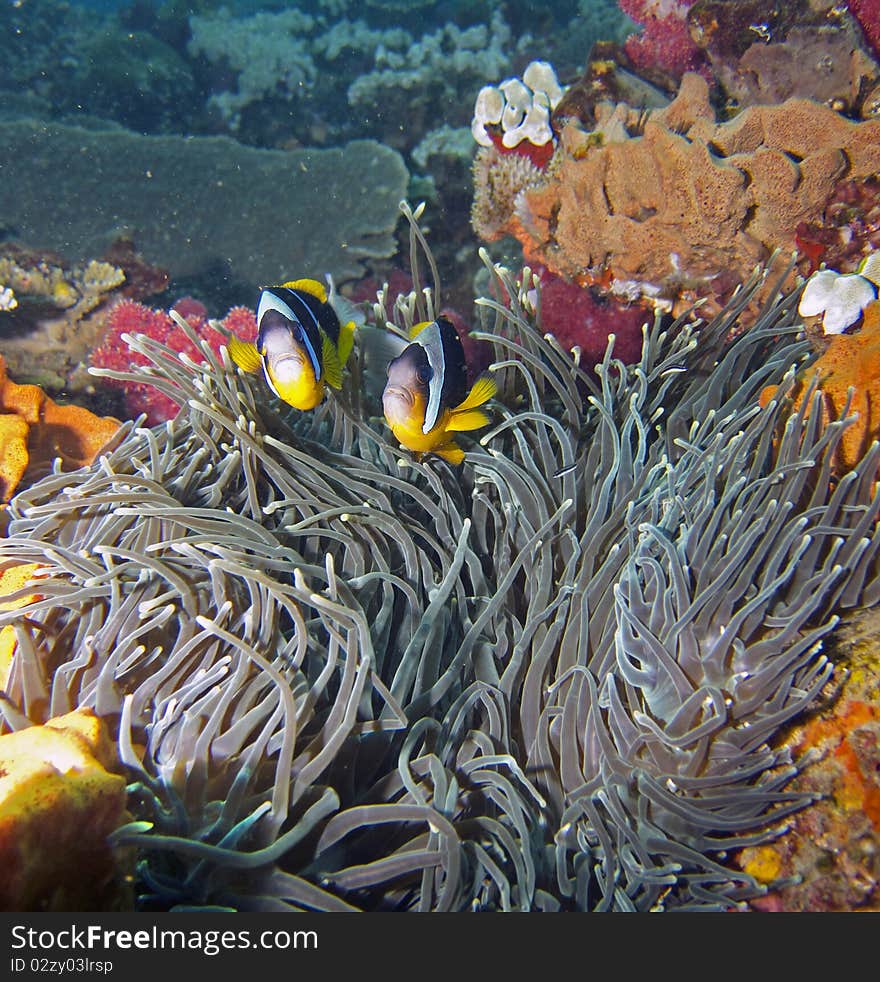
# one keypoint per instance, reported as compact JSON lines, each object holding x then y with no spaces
{"x":867,"y":13}
{"x":810,"y":243}
{"x":398,"y":281}
{"x":130,"y":317}
{"x":579,"y":317}
{"x":538,"y":153}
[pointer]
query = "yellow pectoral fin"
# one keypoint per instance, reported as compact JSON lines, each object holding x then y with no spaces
{"x":316,"y":288}
{"x":244,"y":354}
{"x":346,"y":341}
{"x":470,"y":419}
{"x":483,"y":390}
{"x":450,"y":451}
{"x":331,"y":366}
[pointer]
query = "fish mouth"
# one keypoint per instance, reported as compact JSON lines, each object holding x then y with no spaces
{"x":287,"y":367}
{"x":398,"y":405}
{"x":398,"y":392}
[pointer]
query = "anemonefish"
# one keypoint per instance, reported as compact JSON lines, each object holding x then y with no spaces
{"x":425,"y":400}
{"x":301,"y":343}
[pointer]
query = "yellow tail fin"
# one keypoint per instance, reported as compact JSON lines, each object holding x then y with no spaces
{"x":483,"y":390}
{"x":470,"y":419}
{"x":244,"y":354}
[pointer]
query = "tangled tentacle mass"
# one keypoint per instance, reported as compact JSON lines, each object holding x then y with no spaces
{"x":550,"y":679}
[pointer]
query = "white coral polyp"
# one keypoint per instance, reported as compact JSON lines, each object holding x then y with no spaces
{"x":522,"y":107}
{"x":488,"y":109}
{"x":817,"y":293}
{"x":534,"y":127}
{"x":540,"y":77}
{"x":517,"y":102}
{"x":839,"y":297}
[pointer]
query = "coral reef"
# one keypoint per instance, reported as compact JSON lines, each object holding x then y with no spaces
{"x":848,"y":229}
{"x":55,"y":314}
{"x":758,"y":54}
{"x":44,"y":279}
{"x":343,"y":679}
{"x":60,"y":318}
{"x":821,"y":63}
{"x":677,"y":202}
{"x":266,"y":54}
{"x":809,"y":49}
{"x":262,"y":215}
{"x":38,"y":433}
{"x":560,"y":677}
{"x":268,"y":61}
{"x":60,"y":786}
{"x":827,"y":857}
{"x":320,"y":76}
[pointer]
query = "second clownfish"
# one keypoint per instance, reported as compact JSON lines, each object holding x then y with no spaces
{"x":426,"y":400}
{"x":301,"y":345}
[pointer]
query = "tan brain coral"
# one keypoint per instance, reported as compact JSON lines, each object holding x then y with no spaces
{"x":679,"y":199}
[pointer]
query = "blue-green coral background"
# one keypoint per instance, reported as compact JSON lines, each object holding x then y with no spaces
{"x":277,"y":76}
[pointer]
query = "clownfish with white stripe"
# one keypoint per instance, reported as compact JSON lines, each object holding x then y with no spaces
{"x":426,"y":400}
{"x":302,"y":341}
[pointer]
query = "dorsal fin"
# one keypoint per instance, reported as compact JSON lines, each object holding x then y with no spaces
{"x":346,"y":341}
{"x":417,"y":329}
{"x":314,"y":287}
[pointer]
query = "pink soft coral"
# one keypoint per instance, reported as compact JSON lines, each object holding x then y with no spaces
{"x":664,"y":43}
{"x":129,"y":317}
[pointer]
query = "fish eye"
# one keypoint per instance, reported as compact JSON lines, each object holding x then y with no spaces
{"x":424,"y":374}
{"x":296,"y":331}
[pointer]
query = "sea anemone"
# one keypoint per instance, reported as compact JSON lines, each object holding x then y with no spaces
{"x":549,"y":679}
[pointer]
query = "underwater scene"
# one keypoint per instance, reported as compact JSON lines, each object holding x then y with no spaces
{"x":439,"y":455}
